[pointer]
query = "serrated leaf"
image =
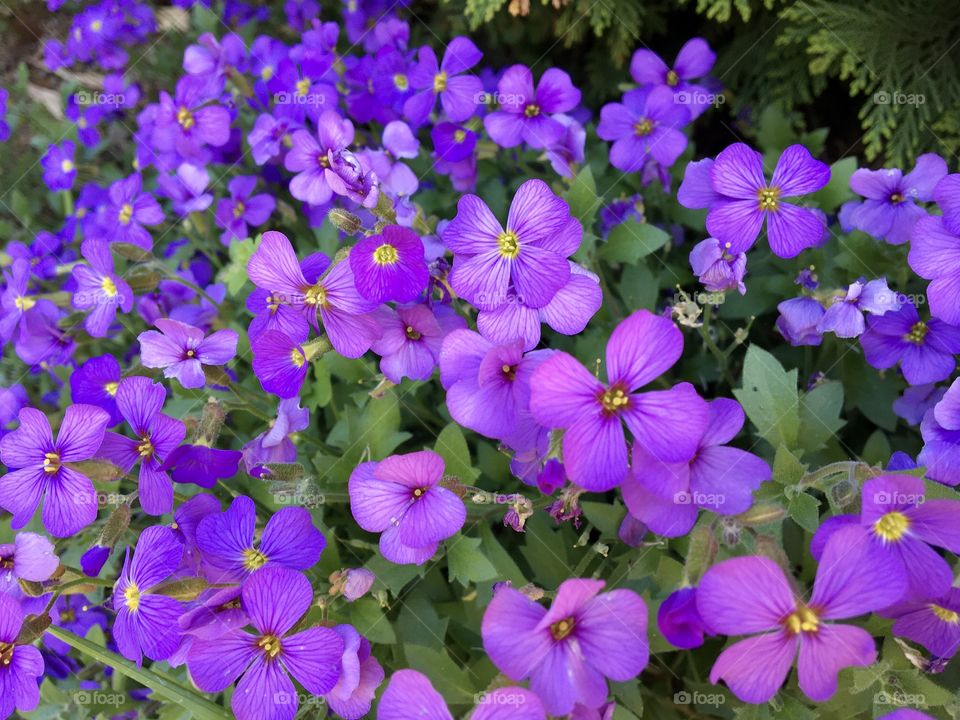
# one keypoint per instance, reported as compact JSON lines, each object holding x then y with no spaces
{"x":769,"y":398}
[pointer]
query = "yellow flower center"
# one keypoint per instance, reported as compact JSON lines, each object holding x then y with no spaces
{"x":303,"y":87}
{"x":917,"y":334}
{"x":672,"y":78}
{"x":769,"y":199}
{"x":614,"y":399}
{"x":297,"y":358}
{"x":253,"y":559}
{"x":6,"y":653}
{"x":531,"y":110}
{"x":185,"y":118}
{"x":323,"y":161}
{"x":66,"y":166}
{"x":803,"y":619}
{"x":239,"y":209}
{"x":892,"y":526}
{"x":509,"y":371}
{"x":24,"y":303}
{"x":411,"y":333}
{"x":643,"y":128}
{"x":440,"y":82}
{"x":401,"y":83}
{"x":96,"y":25}
{"x":126,"y":214}
{"x":51,"y":462}
{"x":131,"y":597}
{"x":109,"y":287}
{"x":111,"y":388}
{"x":509,"y":244}
{"x":316,"y":295}
{"x":266,"y":73}
{"x":270,"y":644}
{"x":459,"y":136}
{"x":562,"y":628}
{"x":145,"y":448}
{"x":946,"y":614}
{"x":386,"y":254}
{"x":897,"y":198}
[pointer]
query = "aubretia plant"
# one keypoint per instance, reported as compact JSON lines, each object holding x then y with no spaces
{"x":361,"y":363}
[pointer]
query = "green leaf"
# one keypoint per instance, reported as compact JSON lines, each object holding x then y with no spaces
{"x":501,"y":559}
{"x":787,"y":469}
{"x":606,"y":517}
{"x":450,"y":679}
{"x":820,"y":415}
{"x":631,"y":240}
{"x":161,"y":684}
{"x":805,"y":511}
{"x":837,"y":191}
{"x":452,"y":447}
{"x":769,"y":398}
{"x":582,"y":197}
{"x":234,"y":275}
{"x":368,"y":618}
{"x":467,"y":563}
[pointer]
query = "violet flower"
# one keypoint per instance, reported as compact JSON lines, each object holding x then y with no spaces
{"x":457,"y":92}
{"x":668,"y":424}
{"x":694,"y":60}
{"x":524,"y":113}
{"x":401,"y":498}
{"x":129,"y":209}
{"x":570,"y":650}
{"x":242,"y":208}
{"x":181,"y":350}
{"x":95,"y":383}
{"x":716,"y":268}
{"x":390,"y":266}
{"x":275,"y":599}
{"x":29,"y":557}
{"x":935,"y":256}
{"x":59,"y":170}
{"x":679,"y":620}
{"x":99,"y":289}
{"x":941,"y":439}
{"x":275,"y":445}
{"x":799,"y":321}
{"x":360,"y":676}
{"x":21,"y":666}
{"x":311,"y":158}
{"x":187,"y":188}
{"x":38,"y":469}
{"x":412,"y":339}
{"x":646,"y":124}
{"x":844,"y":315}
{"x":934,"y":625}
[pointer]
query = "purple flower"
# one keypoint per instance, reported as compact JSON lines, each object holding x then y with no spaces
{"x":242,"y":208}
{"x":568,"y":151}
{"x":99,"y":289}
{"x":679,"y":620}
{"x":458,"y":92}
{"x":569,"y":650}
{"x":646,"y":124}
{"x":924,"y":349}
{"x":17,"y":304}
{"x":349,"y":178}
{"x":360,"y":676}
{"x":304,"y":89}
{"x":890,"y":211}
{"x":21,"y":666}
{"x":488,"y":386}
{"x":280,"y":364}
{"x":274,"y":598}
{"x":95,"y":383}
{"x":357,"y":583}
{"x":390,"y":267}
{"x":739,"y":198}
{"x":525,"y":114}
{"x":667,"y":497}
{"x":38,"y":470}
{"x":146,"y":622}
{"x":751,"y":596}
{"x":140,"y":401}
{"x":717,"y":269}
{"x":412,"y":338}
{"x":453,"y":142}
{"x":4,"y":125}
{"x":275,"y":446}
{"x":230,"y":554}
{"x":902,"y":524}
{"x":799,"y":321}
{"x":201,"y":465}
{"x":409,"y":694}
{"x":401,"y":498}
{"x":182,"y":350}
{"x":93,"y":560}
{"x":187,"y":188}
{"x":271,"y":135}
{"x":941,"y":438}
{"x":129,"y":209}
{"x":30,"y":556}
{"x":934,"y":625}
{"x":59,"y":170}
{"x":311,"y":158}
{"x":916,"y":400}
{"x":844,"y":315}
{"x":345,"y":314}
{"x":528,"y":256}
{"x":667,"y":424}
{"x":694,"y":60}
{"x":935,"y":256}
{"x":186,"y":123}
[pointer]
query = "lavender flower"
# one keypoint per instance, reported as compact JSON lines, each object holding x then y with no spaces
{"x":568,"y":651}
{"x":38,"y":470}
{"x":941,"y":437}
{"x":99,"y":289}
{"x":668,"y":424}
{"x":187,"y":188}
{"x":457,"y":92}
{"x":401,"y":498}
{"x":525,"y":113}
{"x":59,"y":170}
{"x":718,"y":270}
{"x":935,"y":256}
{"x":360,"y":676}
{"x":389,"y":266}
{"x":312,"y":158}
{"x":924,"y":349}
{"x":412,"y":338}
{"x":645,"y":125}
{"x":694,"y":60}
{"x":274,"y":599}
{"x":934,"y":625}
{"x":275,"y":445}
{"x":29,"y":557}
{"x":242,"y":208}
{"x":799,"y":321}
{"x":739,"y":198}
{"x":844,"y":315}
{"x":129,"y":210}
{"x":182,"y":350}
{"x":21,"y":666}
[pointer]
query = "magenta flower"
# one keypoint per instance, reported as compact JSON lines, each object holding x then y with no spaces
{"x":21,"y":666}
{"x":412,"y":338}
{"x":934,"y":623}
{"x":668,"y":424}
{"x":99,"y":289}
{"x":570,"y":650}
{"x":524,"y":113}
{"x":146,"y":622}
{"x":311,"y":158}
{"x":275,"y":599}
{"x":752,"y":596}
{"x":360,"y":676}
{"x":645,"y":125}
{"x":529,"y":256}
{"x":694,"y":60}
{"x":401,"y":498}
{"x":229,"y":553}
{"x":457,"y":92}
{"x":38,"y":470}
{"x":667,"y":497}
{"x":182,"y":350}
{"x":679,"y":620}
{"x":390,"y":266}
{"x":410,"y":694}
{"x":140,"y":401}
{"x":739,"y":198}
